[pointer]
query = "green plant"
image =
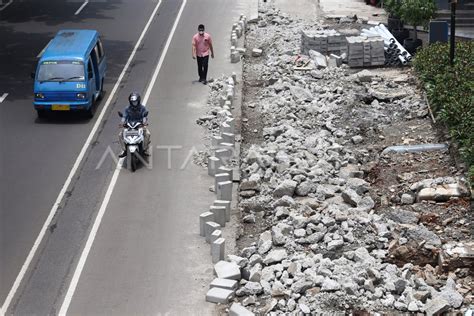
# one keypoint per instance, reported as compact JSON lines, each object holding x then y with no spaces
{"x":450,"y":90}
{"x":417,"y":12}
{"x":393,"y":7}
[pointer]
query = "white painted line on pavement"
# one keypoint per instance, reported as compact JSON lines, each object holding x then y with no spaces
{"x":74,"y":169}
{"x":3,"y":97}
{"x":113,"y":182}
{"x":81,"y":7}
{"x":6,"y":5}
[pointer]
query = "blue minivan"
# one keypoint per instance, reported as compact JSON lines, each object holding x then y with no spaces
{"x":70,"y":73}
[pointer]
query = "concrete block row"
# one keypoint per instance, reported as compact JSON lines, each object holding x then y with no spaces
{"x":223,"y":288}
{"x":238,"y":29}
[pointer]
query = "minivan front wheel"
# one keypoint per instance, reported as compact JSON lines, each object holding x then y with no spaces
{"x":91,"y":111}
{"x":41,"y":113}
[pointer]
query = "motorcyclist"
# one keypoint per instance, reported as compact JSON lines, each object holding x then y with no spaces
{"x":135,"y":112}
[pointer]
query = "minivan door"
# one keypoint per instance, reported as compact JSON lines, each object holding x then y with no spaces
{"x":91,"y":77}
{"x":95,"y":66}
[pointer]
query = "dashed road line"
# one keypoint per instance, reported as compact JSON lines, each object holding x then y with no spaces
{"x":6,"y":5}
{"x":3,"y":97}
{"x":81,"y":7}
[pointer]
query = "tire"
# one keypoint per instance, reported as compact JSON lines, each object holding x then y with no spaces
{"x":41,"y":113}
{"x":91,"y":111}
{"x":131,"y":161}
{"x":411,"y":45}
{"x":102,"y":92}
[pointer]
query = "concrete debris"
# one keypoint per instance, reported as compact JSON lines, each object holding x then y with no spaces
{"x":238,"y":310}
{"x":315,"y":235}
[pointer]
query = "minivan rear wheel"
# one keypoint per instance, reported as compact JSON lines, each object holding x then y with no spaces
{"x":102,"y":92}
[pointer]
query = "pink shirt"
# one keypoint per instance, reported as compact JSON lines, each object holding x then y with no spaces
{"x":202,"y":43}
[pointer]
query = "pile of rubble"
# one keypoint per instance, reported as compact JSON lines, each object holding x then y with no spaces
{"x":314,"y":237}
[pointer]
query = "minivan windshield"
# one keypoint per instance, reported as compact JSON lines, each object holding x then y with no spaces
{"x":61,"y":70}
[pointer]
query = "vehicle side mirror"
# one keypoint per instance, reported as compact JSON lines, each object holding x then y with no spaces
{"x":145,"y":114}
{"x":120,"y":114}
{"x":33,"y":75}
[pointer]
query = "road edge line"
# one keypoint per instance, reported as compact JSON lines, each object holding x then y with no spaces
{"x":90,"y":240}
{"x":77,"y":163}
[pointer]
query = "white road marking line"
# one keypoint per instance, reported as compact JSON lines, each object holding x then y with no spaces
{"x":6,"y":5}
{"x":113,"y":182}
{"x":81,"y":7}
{"x":42,"y":51}
{"x":74,"y":169}
{"x":3,"y":97}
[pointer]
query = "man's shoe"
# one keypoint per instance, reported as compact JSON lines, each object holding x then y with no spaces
{"x":123,"y":154}
{"x":204,"y":81}
{"x":200,"y":79}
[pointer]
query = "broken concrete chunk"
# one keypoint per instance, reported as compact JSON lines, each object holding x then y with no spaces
{"x":301,"y":94}
{"x":275,"y":256}
{"x":287,"y":187}
{"x":436,"y":306}
{"x":319,"y":59}
{"x":351,"y":197}
{"x":238,"y":310}
{"x":364,"y":76}
{"x":450,"y":294}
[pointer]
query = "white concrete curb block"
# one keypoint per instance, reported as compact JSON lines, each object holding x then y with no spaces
{"x":210,"y":228}
{"x":218,"y":250}
{"x":203,"y":219}
{"x":219,"y":214}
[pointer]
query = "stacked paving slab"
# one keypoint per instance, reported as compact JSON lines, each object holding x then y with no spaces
{"x":325,"y":41}
{"x":363,"y":51}
{"x":360,"y":50}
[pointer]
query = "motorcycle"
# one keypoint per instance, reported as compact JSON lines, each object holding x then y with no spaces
{"x":133,"y":137}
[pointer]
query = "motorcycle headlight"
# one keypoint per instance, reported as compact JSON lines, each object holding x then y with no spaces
{"x":81,"y":96}
{"x":39,"y":96}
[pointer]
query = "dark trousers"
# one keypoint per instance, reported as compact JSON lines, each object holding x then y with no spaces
{"x":203,"y":62}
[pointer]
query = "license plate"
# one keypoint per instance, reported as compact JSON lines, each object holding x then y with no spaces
{"x":131,"y":133}
{"x":60,"y":107}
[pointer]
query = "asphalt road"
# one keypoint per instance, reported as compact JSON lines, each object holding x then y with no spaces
{"x":147,"y":257}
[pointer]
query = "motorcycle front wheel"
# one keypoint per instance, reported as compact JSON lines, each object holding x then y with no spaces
{"x":132,"y":161}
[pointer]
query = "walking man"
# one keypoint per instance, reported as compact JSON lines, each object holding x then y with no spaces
{"x":202,"y":45}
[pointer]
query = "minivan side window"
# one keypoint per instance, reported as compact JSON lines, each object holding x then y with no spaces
{"x":89,"y":70}
{"x":100,"y":49}
{"x":96,"y":53}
